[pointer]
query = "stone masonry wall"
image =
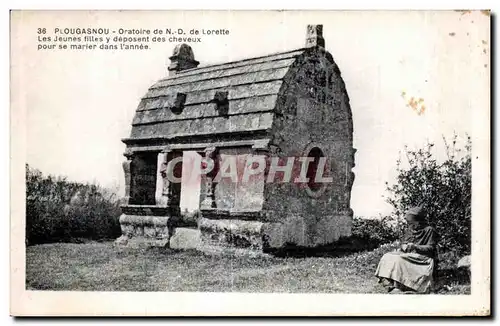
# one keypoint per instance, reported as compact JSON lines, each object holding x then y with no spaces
{"x":313,"y":112}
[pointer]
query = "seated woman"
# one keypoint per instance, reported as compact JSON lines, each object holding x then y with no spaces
{"x":411,"y":267}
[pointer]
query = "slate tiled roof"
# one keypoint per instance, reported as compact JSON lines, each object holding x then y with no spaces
{"x":252,"y":84}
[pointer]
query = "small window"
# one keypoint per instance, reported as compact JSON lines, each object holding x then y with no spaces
{"x":221,"y":101}
{"x":176,"y":102}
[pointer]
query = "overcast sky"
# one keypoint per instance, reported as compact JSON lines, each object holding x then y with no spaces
{"x":79,"y":105}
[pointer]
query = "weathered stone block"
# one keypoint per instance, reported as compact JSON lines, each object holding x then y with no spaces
{"x":127,"y":229}
{"x":149,"y":231}
{"x":145,"y":230}
{"x":236,"y":233}
{"x":138,"y":231}
{"x":185,"y":238}
{"x":161,"y":232}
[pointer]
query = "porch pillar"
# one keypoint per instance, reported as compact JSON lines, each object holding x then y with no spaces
{"x":171,"y":189}
{"x":207,"y":180}
{"x":127,"y":172}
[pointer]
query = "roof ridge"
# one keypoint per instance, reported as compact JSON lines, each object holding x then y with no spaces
{"x":183,"y":72}
{"x":181,"y":83}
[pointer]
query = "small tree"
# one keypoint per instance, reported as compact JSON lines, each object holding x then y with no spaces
{"x":443,"y":189}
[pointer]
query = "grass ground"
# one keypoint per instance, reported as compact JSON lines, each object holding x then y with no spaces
{"x":103,"y":267}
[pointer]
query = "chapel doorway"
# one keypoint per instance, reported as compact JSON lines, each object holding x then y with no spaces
{"x":190,"y":185}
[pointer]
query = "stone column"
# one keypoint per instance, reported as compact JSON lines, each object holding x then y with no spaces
{"x":160,"y":180}
{"x":261,"y":148}
{"x":126,"y":229}
{"x":128,"y":176}
{"x":170,"y":191}
{"x":208,"y":200}
{"x":165,"y":183}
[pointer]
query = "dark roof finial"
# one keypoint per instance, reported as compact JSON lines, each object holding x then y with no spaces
{"x":182,"y":58}
{"x":314,"y":36}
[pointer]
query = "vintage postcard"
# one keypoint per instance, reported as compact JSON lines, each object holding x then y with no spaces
{"x":250,"y":163}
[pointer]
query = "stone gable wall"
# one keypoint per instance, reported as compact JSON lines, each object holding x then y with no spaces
{"x":313,"y":112}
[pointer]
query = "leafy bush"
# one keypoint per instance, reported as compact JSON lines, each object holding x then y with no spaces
{"x":442,"y":188}
{"x":61,"y":211}
{"x":373,"y":232}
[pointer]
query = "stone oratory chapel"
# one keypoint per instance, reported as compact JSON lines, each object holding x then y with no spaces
{"x":282,"y":105}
